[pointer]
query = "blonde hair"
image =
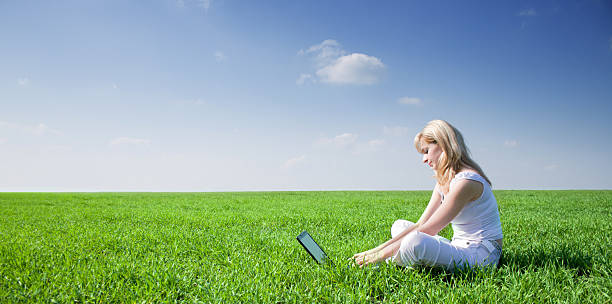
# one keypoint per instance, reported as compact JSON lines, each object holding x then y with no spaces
{"x":455,"y":154}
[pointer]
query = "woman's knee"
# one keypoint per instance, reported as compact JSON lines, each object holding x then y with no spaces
{"x":399,"y":226}
{"x":413,"y":248}
{"x":415,"y":242}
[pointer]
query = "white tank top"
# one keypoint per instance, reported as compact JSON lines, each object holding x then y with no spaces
{"x":479,"y":219}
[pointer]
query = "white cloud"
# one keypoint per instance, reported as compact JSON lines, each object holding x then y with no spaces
{"x":551,"y":167}
{"x":23,"y":81}
{"x":395,"y":131}
{"x":333,"y":66}
{"x":205,"y":4}
{"x":511,"y":143}
{"x":345,"y":139}
{"x":293,"y":162}
{"x":325,"y":53}
{"x":305,"y":78}
{"x":3,"y":141}
{"x":53,"y":149}
{"x":528,"y":13}
{"x":410,"y":101}
{"x":115,"y":86}
{"x":371,"y":146}
{"x":219,"y":56}
{"x":340,"y":141}
{"x":38,"y":130}
{"x":376,"y":142}
{"x":324,"y":141}
{"x":42,"y":129}
{"x":190,"y":102}
{"x":129,"y":141}
{"x":352,"y":69}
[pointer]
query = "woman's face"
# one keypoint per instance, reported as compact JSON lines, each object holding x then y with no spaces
{"x":431,"y":154}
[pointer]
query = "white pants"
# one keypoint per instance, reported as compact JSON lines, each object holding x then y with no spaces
{"x":421,"y":249}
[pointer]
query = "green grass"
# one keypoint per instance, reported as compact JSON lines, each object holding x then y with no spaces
{"x":241,"y":247}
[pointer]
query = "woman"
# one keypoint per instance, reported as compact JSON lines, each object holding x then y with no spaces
{"x":462,"y":196}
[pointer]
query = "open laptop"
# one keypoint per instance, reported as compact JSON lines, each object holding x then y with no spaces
{"x":315,"y":251}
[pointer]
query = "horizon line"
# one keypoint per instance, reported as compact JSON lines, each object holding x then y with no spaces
{"x":280,"y":190}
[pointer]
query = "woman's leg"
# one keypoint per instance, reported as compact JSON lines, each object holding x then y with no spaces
{"x":399,"y":226}
{"x":421,"y":249}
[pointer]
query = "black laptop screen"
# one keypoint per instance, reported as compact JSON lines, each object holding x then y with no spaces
{"x":312,"y":247}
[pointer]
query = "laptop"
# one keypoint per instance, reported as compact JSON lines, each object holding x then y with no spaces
{"x":311,"y":246}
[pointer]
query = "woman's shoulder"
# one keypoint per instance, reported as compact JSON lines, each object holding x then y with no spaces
{"x":468,"y":174}
{"x":470,"y":181}
{"x":466,"y":177}
{"x":467,"y":188}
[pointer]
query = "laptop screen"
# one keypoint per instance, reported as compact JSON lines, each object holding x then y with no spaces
{"x":312,"y":247}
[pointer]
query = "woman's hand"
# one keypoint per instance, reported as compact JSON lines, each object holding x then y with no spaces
{"x":368,"y":257}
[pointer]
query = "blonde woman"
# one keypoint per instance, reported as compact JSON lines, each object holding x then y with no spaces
{"x":462,"y":197}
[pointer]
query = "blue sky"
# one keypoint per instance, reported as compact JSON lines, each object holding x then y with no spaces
{"x":300,"y":95}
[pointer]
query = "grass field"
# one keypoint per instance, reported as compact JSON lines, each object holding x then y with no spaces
{"x":241,"y":247}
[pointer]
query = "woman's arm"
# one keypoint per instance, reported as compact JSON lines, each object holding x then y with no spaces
{"x":434,"y":203}
{"x":432,"y":206}
{"x":463,"y":192}
{"x":387,"y":249}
